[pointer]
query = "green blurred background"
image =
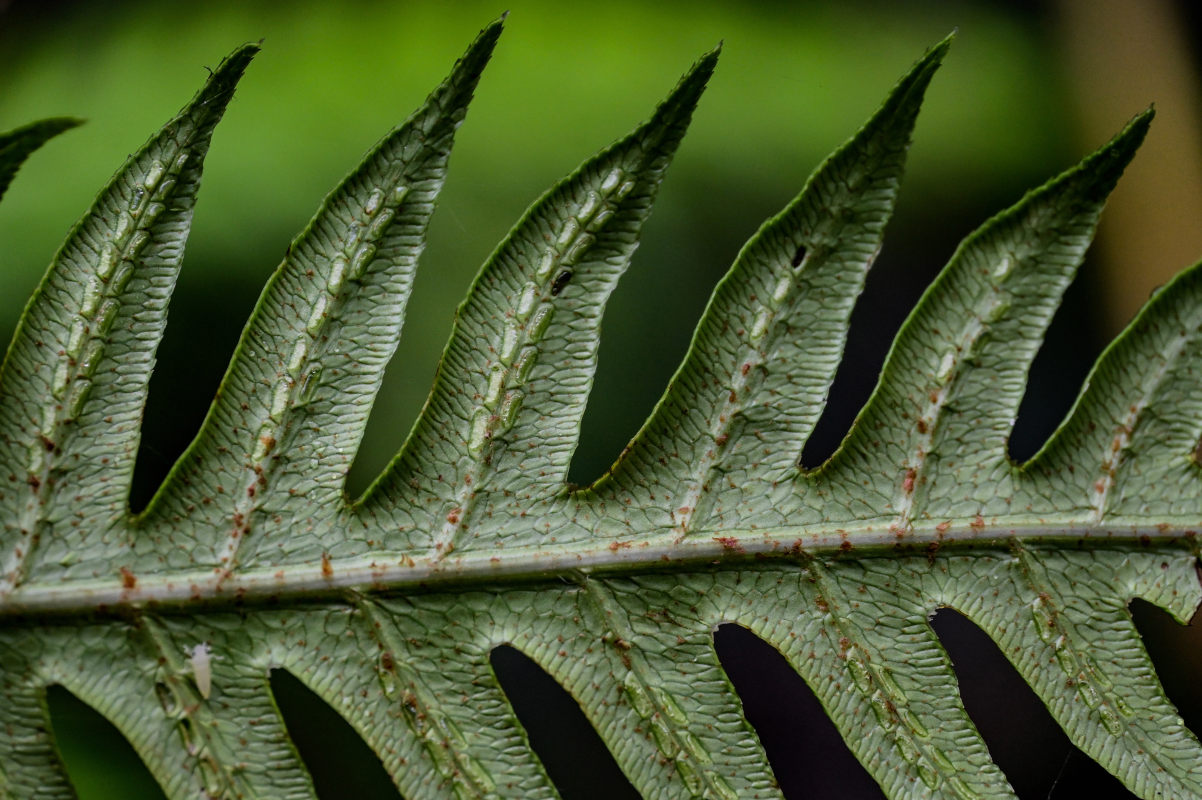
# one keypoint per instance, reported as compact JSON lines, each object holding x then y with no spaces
{"x":1029,"y":87}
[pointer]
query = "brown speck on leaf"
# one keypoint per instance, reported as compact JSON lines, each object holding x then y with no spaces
{"x":729,"y":543}
{"x":908,"y":482}
{"x":128,"y":579}
{"x":932,"y":551}
{"x":327,"y":571}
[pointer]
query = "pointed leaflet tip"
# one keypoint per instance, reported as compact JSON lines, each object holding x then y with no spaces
{"x":932,"y":59}
{"x":484,"y":43}
{"x":230,"y":70}
{"x":1132,"y":135}
{"x":680,"y":104}
{"x":1102,"y":168}
{"x":17,"y":145}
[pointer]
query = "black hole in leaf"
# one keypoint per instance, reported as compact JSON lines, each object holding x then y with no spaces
{"x":574,"y":756}
{"x":1023,"y":738}
{"x":99,"y":759}
{"x":807,"y":754}
{"x":1177,"y":652}
{"x":339,"y":761}
{"x":799,"y":256}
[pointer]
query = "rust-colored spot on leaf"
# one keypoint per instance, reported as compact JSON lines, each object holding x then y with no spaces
{"x":908,"y":481}
{"x":978,"y":523}
{"x":730,"y":543}
{"x":128,"y":579}
{"x":453,"y":516}
{"x":327,"y":571}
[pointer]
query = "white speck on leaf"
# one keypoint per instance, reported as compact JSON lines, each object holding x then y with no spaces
{"x":201,"y":657}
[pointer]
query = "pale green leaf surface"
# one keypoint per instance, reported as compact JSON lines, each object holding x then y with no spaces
{"x":251,"y":559}
{"x":952,"y":384}
{"x":273,"y":454}
{"x":735,"y":417}
{"x":497,"y":433}
{"x":74,"y":380}
{"x":1132,"y":441}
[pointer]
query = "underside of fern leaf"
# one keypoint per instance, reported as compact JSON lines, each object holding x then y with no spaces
{"x":252,"y":558}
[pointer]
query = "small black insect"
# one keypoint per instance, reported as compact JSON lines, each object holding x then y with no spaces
{"x":561,"y":280}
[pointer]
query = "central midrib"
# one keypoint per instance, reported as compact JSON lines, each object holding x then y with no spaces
{"x":275,"y":585}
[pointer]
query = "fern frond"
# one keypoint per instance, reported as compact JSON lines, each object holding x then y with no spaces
{"x":251,"y":558}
